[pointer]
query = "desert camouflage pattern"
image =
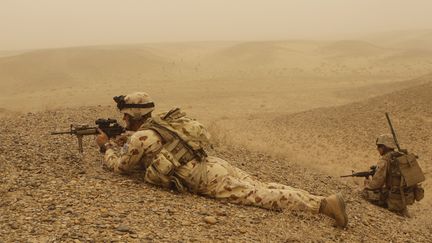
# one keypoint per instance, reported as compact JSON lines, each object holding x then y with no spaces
{"x":386,"y":140}
{"x":213,"y":177}
{"x":190,"y":130}
{"x":384,"y":188}
{"x":137,"y":98}
{"x":225,"y":181}
{"x":374,"y":188}
{"x":379,"y":179}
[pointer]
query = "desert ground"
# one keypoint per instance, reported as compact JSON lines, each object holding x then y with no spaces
{"x":297,"y":112}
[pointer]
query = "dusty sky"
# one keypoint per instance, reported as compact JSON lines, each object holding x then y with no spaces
{"x":28,"y":24}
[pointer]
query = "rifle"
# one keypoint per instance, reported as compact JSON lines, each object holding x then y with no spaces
{"x":394,"y":135}
{"x":109,"y":126}
{"x":364,"y":174}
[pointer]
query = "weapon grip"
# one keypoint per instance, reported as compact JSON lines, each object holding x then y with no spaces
{"x":80,"y":144}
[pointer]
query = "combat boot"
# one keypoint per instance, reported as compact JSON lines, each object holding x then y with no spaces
{"x":334,"y":207}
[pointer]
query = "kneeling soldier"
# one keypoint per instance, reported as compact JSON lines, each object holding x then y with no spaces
{"x":396,"y":181}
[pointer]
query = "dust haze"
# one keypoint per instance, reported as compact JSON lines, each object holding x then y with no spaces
{"x":47,"y":23}
{"x":292,"y":91}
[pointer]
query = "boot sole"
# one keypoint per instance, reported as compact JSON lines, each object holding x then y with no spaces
{"x":341,"y":203}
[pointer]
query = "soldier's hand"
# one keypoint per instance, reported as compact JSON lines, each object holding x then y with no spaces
{"x":101,"y":139}
{"x":366,"y":182}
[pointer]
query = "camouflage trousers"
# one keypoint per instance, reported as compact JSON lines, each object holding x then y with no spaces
{"x":224,"y":181}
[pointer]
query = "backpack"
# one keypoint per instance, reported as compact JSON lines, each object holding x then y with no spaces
{"x":184,"y":137}
{"x":404,"y":176}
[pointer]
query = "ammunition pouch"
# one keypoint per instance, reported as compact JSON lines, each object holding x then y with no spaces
{"x":377,"y":197}
{"x":161,"y":171}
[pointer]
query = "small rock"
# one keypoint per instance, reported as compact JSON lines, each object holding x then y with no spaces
{"x":221,"y":213}
{"x":185,"y":223}
{"x":124,"y":228}
{"x":69,"y":210}
{"x":204,"y":212}
{"x":14,"y":226}
{"x":210,"y":220}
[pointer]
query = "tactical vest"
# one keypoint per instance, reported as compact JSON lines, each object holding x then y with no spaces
{"x":183,"y":137}
{"x":402,"y":180}
{"x":183,"y":140}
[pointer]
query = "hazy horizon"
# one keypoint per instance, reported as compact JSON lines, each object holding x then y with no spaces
{"x":53,"y":24}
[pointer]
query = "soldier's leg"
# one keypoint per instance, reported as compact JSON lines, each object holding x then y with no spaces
{"x":228,"y":182}
{"x":242,"y":192}
{"x":243,"y":175}
{"x":375,"y":197}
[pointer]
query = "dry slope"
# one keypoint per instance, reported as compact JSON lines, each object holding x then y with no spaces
{"x":50,"y":193}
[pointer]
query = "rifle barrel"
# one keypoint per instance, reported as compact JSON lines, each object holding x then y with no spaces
{"x":56,"y":133}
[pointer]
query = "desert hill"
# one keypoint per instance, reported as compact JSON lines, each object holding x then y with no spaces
{"x":407,"y":39}
{"x":354,"y":126}
{"x":352,"y":48}
{"x":217,"y":73}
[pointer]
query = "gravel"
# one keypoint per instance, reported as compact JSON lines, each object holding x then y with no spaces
{"x":51,"y":193}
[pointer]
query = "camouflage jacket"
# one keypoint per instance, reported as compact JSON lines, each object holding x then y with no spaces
{"x":143,"y":150}
{"x":379,"y":179}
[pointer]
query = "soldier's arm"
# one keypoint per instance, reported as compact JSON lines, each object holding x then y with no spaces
{"x":378,"y":180}
{"x":123,"y":159}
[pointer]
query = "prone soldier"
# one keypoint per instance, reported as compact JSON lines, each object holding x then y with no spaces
{"x":169,"y":150}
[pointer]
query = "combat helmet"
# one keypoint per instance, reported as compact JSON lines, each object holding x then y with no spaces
{"x":386,"y":140}
{"x":135,"y":104}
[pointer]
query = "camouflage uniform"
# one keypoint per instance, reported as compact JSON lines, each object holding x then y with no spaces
{"x":389,"y":186}
{"x":379,"y":178}
{"x":211,"y":177}
{"x":375,"y":190}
